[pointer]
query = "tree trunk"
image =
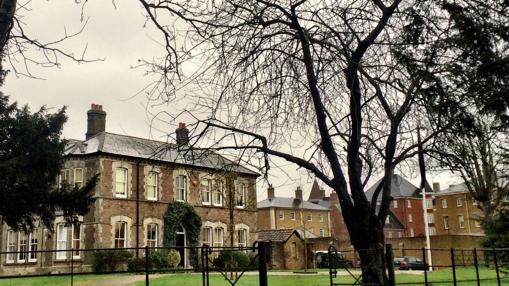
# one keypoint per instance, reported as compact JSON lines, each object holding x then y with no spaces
{"x":367,"y":237}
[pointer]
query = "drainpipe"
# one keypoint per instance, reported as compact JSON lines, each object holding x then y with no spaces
{"x":137,"y":207}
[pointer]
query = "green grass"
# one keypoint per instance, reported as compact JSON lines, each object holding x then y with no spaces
{"x":276,"y":278}
{"x":53,"y":280}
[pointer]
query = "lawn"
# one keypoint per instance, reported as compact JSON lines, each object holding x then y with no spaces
{"x":251,"y":279}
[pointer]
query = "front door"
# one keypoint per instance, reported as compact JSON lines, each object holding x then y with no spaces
{"x":180,"y":238}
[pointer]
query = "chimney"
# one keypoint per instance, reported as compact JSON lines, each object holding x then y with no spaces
{"x":322,"y":193}
{"x":270,"y":192}
{"x":96,"y":121}
{"x":182,"y":134}
{"x":334,"y":198}
{"x":298,"y":193}
{"x":436,"y":187}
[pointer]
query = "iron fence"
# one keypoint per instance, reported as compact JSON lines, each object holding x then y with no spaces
{"x":458,"y":266}
{"x":231,"y":262}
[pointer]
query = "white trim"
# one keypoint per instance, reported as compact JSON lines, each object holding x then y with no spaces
{"x":11,"y":233}
{"x":61,"y":240}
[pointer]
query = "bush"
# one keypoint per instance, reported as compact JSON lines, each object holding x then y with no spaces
{"x":136,"y":264}
{"x":173,"y":258}
{"x":158,"y":260}
{"x":109,"y":261}
{"x":230,"y":258}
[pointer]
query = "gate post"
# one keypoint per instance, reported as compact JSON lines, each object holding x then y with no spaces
{"x":389,"y":257}
{"x":263,"y":253}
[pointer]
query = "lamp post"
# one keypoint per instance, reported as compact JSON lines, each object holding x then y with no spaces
{"x":423,"y":192}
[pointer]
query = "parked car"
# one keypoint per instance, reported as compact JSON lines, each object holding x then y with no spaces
{"x":398,"y":260}
{"x":411,"y":263}
{"x":322,"y":260}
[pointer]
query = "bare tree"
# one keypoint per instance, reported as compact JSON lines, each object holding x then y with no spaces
{"x":311,"y":82}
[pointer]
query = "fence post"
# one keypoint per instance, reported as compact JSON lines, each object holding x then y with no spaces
{"x":202,"y":256}
{"x":476,"y":263}
{"x":147,"y":279}
{"x":72,"y":266}
{"x":496,"y":265}
{"x":262,"y":262}
{"x":390,"y":264}
{"x":453,"y":262}
{"x":425,"y":266}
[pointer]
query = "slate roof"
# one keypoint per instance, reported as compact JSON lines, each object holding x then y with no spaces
{"x":400,"y":187}
{"x":458,"y":188}
{"x":123,"y":145}
{"x":289,"y":203}
{"x":277,"y":235}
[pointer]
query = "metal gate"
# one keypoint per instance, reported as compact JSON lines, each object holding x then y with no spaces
{"x":231,"y":262}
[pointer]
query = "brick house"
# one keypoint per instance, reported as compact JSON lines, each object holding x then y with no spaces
{"x":138,"y":179}
{"x":407,"y":207}
{"x":287,"y":248}
{"x":457,"y":212}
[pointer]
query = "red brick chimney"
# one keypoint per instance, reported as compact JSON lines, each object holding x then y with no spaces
{"x":96,"y":121}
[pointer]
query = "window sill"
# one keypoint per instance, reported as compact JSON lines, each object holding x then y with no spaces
{"x":218,"y":205}
{"x":152,"y":199}
{"x":240,"y":207}
{"x":205,"y":203}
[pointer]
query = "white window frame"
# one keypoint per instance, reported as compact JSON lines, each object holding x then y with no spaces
{"x":118,"y":238}
{"x":217,"y":193}
{"x":395,"y":204}
{"x":431,"y":218}
{"x":79,"y":183}
{"x":281,"y":215}
{"x":23,"y":253}
{"x":218,"y":239}
{"x":240,"y":196}
{"x":33,"y":245}
{"x":181,"y":186}
{"x":459,"y":201}
{"x":11,"y":246}
{"x":408,"y":204}
{"x":429,"y":203}
{"x":432,"y":231}
{"x":412,"y":233}
{"x":123,"y":185}
{"x":206,"y":192}
{"x":445,"y":203}
{"x":309,"y":216}
{"x":64,"y":176}
{"x":241,"y":237}
{"x":207,"y":231}
{"x":320,"y":217}
{"x":321,"y":232}
{"x":389,"y":234}
{"x":152,"y":241}
{"x":292,"y":215}
{"x":61,"y":241}
{"x":461,"y":221}
{"x":446,"y":222}
{"x":76,"y":241}
{"x":152,"y":186}
{"x":410,"y":218}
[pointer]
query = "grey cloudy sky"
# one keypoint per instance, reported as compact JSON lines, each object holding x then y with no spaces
{"x":118,"y":35}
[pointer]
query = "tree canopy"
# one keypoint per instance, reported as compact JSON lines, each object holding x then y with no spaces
{"x":31,"y":156}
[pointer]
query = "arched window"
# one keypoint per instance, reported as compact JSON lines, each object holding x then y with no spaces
{"x":241,"y":237}
{"x":152,"y":234}
{"x":120,"y":234}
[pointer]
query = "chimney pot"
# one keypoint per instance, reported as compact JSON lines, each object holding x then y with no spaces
{"x":96,"y":121}
{"x":270,"y":192}
{"x":298,"y":193}
{"x":436,"y":187}
{"x":182,"y":134}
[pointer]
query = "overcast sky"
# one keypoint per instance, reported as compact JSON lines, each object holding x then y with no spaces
{"x":117,"y":35}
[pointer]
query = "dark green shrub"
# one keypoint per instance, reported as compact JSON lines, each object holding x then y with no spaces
{"x":136,"y":264}
{"x":109,"y":261}
{"x":158,"y":259}
{"x":230,"y":258}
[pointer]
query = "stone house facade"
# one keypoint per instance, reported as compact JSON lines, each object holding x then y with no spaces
{"x":138,"y":179}
{"x":457,"y":212}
